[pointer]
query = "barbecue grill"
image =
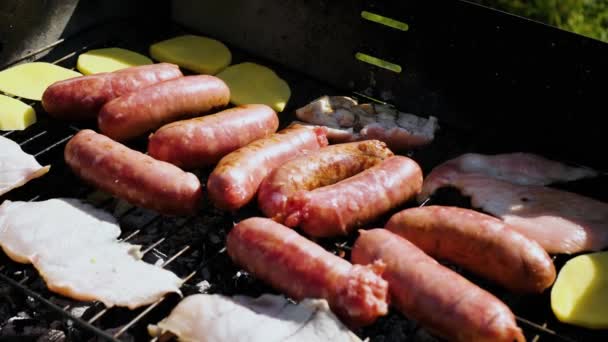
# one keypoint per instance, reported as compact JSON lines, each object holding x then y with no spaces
{"x":497,"y":83}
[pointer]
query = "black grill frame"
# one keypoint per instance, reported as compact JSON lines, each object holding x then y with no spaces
{"x":47,"y":138}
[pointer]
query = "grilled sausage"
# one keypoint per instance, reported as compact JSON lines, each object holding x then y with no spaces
{"x":325,"y":167}
{"x":339,"y":208}
{"x":302,"y":269}
{"x":132,"y":175}
{"x":440,"y":299}
{"x":81,"y":98}
{"x":149,"y":108}
{"x":204,"y":141}
{"x":237,"y":177}
{"x":480,"y":243}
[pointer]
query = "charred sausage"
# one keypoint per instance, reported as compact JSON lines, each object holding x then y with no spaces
{"x":339,"y":208}
{"x":149,"y":108}
{"x":302,"y":269}
{"x":440,"y":299}
{"x":237,"y":177}
{"x":81,"y":98}
{"x":316,"y":169}
{"x":204,"y":141}
{"x":132,"y":175}
{"x":480,"y":243}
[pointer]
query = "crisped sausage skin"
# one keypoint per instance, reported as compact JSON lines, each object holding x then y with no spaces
{"x":132,"y":175}
{"x":204,"y":141}
{"x":480,"y":243}
{"x":316,"y":169}
{"x":302,"y":269}
{"x":339,"y":208}
{"x":237,"y":177}
{"x":440,"y":299}
{"x":81,"y":98}
{"x":147,"y":109}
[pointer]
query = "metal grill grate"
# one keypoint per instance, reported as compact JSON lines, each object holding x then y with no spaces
{"x":194,"y":246}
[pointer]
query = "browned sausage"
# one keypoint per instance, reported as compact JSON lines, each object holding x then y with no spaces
{"x":81,"y":98}
{"x":302,"y":269}
{"x":440,"y":299}
{"x":237,"y":177}
{"x":149,"y":108}
{"x":339,"y":208}
{"x":204,"y":141}
{"x":480,"y":243}
{"x":316,"y":169}
{"x":132,"y":175}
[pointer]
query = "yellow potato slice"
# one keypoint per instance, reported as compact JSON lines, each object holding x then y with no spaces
{"x":108,"y":60}
{"x":252,"y":83}
{"x":15,"y":115}
{"x":30,"y":80}
{"x":580,"y":293}
{"x":199,"y":54}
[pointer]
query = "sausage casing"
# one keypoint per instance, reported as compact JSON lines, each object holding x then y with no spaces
{"x":204,"y":141}
{"x":81,"y":98}
{"x":147,"y":109}
{"x":237,"y":177}
{"x":132,"y":175}
{"x":478,"y":242}
{"x":339,"y":208}
{"x":440,"y":299}
{"x":327,"y":166}
{"x":302,"y":269}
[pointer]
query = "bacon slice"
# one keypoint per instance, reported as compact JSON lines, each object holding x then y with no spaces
{"x":215,"y":318}
{"x":16,"y":166}
{"x":112,"y":273}
{"x":347,"y":121}
{"x":73,"y":245}
{"x":65,"y":223}
{"x":560,"y":221}
{"x":518,"y":168}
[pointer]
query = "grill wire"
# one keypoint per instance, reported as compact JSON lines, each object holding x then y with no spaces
{"x":46,"y":139}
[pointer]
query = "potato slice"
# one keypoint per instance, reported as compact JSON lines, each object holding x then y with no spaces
{"x":199,"y":54}
{"x":580,"y":293}
{"x":108,"y":60}
{"x":30,"y":80}
{"x":15,"y":115}
{"x":252,"y":83}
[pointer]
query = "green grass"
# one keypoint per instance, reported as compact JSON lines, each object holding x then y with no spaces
{"x":586,"y":17}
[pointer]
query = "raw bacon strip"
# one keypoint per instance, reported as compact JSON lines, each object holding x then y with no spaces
{"x":16,"y":166}
{"x":73,"y":245}
{"x":518,"y":168}
{"x":23,"y":234}
{"x":112,"y":273}
{"x":560,"y":221}
{"x":215,"y":318}
{"x":350,"y":121}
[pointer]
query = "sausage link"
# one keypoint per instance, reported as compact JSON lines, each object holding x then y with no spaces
{"x":132,"y":175}
{"x":316,"y":169}
{"x":480,"y":243}
{"x":237,"y":177}
{"x":339,"y":208}
{"x":149,"y":108}
{"x":440,"y":299}
{"x":302,"y":269}
{"x":81,"y":98}
{"x":204,"y":141}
